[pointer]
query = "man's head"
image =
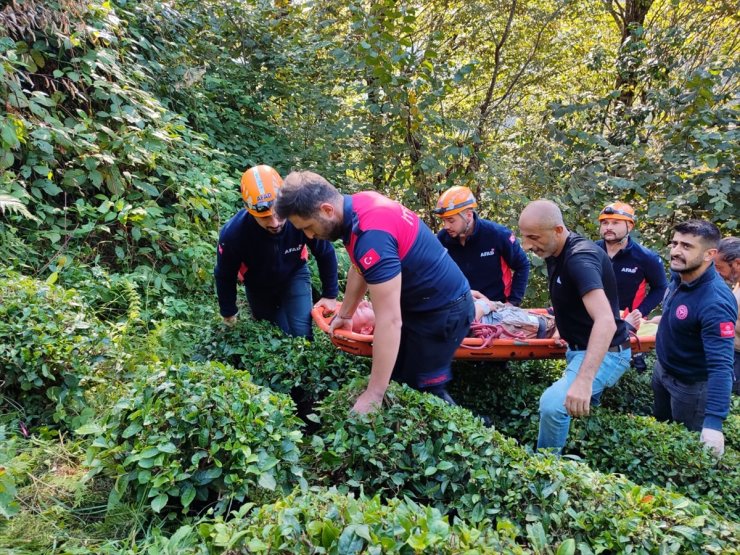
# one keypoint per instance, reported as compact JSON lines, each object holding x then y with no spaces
{"x":456,"y":208}
{"x":312,"y":205}
{"x":363,"y":320}
{"x":693,"y":247}
{"x":727,"y":260}
{"x":260,"y":185}
{"x":542,"y":229}
{"x":616,"y":221}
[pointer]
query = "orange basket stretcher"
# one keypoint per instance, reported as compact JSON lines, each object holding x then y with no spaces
{"x":474,"y":348}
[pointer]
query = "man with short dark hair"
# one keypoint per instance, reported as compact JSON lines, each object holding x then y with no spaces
{"x":583,"y":291}
{"x":692,"y":378}
{"x":727,"y":263}
{"x":422,"y":301}
{"x":488,"y":253}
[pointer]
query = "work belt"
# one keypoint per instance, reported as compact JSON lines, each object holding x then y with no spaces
{"x":616,"y":349}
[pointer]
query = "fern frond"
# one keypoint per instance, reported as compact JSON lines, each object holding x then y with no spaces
{"x":13,"y":205}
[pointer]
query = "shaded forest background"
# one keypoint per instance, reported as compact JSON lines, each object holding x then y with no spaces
{"x":126,"y":124}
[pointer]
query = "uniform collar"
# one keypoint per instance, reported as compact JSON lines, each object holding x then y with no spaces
{"x":350,"y":219}
{"x":626,"y":248}
{"x":708,"y":275}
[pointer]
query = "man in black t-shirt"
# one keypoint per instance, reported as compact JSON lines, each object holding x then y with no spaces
{"x":584,"y":297}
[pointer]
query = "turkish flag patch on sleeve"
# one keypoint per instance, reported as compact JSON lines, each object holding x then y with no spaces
{"x":369,"y":259}
{"x":727,"y":329}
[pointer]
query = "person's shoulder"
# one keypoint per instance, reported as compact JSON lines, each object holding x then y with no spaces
{"x":236,"y":224}
{"x":642,"y":249}
{"x":578,"y":244}
{"x":494,"y":226}
{"x":499,"y":232}
{"x":721,"y":289}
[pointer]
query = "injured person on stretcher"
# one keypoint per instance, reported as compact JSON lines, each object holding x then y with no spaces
{"x":514,"y":322}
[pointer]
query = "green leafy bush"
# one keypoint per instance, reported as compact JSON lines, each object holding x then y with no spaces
{"x":283,"y":363}
{"x":616,"y":437}
{"x":418,"y":446}
{"x":110,"y":174}
{"x":200,"y":431}
{"x":326,"y":521}
{"x":48,"y":344}
{"x":668,"y":455}
{"x":436,"y":454}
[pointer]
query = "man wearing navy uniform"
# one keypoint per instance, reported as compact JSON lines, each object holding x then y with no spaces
{"x":641,"y":279}
{"x":583,"y":291}
{"x":422,"y":301}
{"x":692,"y":379}
{"x":269,"y":256}
{"x":488,"y":253}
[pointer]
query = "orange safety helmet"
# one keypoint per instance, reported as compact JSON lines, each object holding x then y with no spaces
{"x":618,"y":211}
{"x":260,"y":185}
{"x":454,"y":200}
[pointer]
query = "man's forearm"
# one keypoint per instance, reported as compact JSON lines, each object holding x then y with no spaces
{"x":353,"y":293}
{"x":386,"y":342}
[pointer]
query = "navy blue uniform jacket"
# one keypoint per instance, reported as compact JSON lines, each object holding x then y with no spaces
{"x":267,"y":261}
{"x":695,"y":338}
{"x":492,"y":260}
{"x":638,"y":269}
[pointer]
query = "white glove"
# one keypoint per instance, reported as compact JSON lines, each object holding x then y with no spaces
{"x":713,"y":439}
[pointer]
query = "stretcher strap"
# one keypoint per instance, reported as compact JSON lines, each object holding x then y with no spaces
{"x":489,"y":332}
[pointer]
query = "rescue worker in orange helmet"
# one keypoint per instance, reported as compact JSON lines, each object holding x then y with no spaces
{"x":269,"y":255}
{"x":488,"y":253}
{"x":641,"y":278}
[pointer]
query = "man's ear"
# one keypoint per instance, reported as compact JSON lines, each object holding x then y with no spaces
{"x":559,"y":229}
{"x":709,"y":255}
{"x":327,"y":210}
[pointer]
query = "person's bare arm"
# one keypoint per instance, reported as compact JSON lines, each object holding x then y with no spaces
{"x":386,"y":299}
{"x":578,"y":399}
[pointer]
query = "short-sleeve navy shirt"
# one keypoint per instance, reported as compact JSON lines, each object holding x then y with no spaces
{"x":384,"y":239}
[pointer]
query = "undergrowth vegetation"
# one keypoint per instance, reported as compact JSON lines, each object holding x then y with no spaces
{"x":198,"y":433}
{"x":49,"y":343}
{"x":133,"y":421}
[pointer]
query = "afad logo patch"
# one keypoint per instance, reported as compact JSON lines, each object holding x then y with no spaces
{"x":512,"y":239}
{"x":727,"y":329}
{"x":369,"y":259}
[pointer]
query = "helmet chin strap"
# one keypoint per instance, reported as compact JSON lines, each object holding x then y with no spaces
{"x":467,"y":227}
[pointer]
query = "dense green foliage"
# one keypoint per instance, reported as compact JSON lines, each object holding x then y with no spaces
{"x":325,"y":521}
{"x":112,"y":176}
{"x":312,"y":370}
{"x":422,"y":448}
{"x":48,"y":344}
{"x":200,"y":432}
{"x":616,"y":438}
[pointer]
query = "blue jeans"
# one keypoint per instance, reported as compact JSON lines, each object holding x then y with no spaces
{"x":678,"y":401}
{"x":554,"y":419}
{"x":289,"y":307}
